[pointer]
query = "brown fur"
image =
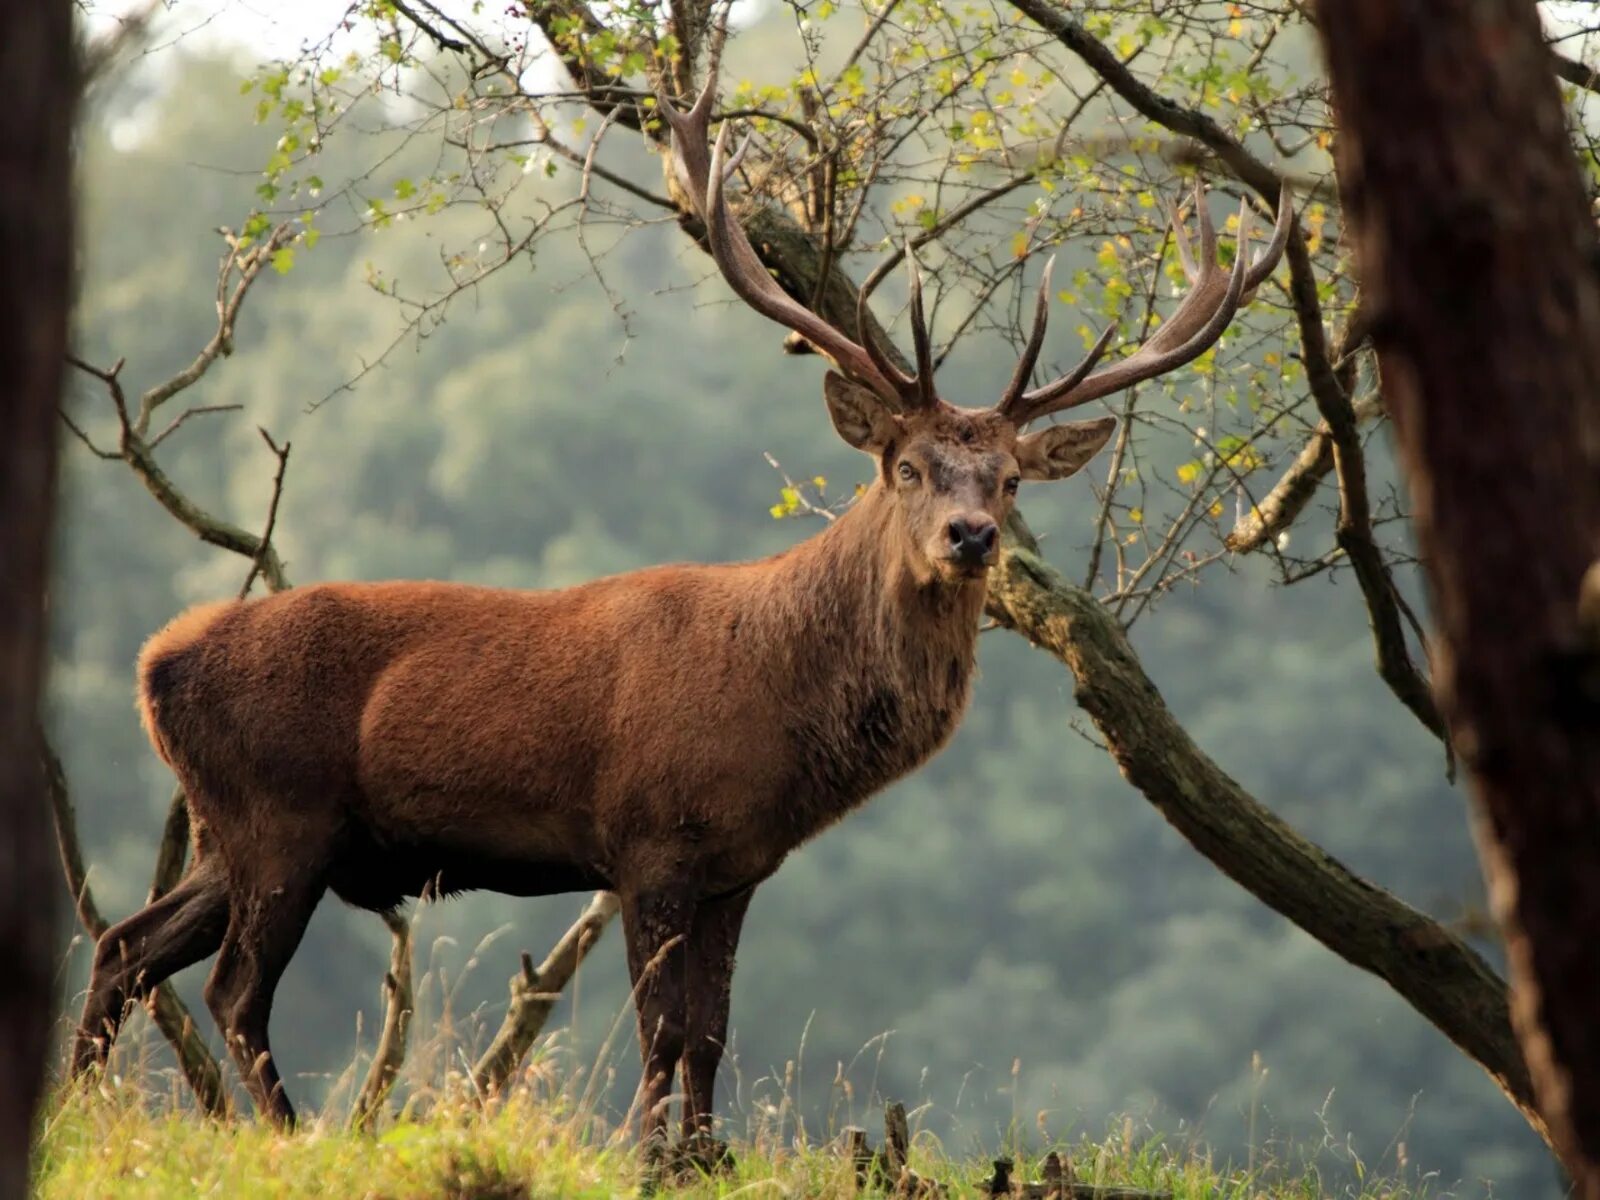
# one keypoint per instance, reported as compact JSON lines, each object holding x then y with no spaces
{"x":670,"y":734}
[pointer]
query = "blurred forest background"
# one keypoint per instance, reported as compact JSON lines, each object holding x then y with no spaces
{"x":1013,"y":936}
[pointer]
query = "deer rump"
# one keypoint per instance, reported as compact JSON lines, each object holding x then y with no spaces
{"x":400,"y":738}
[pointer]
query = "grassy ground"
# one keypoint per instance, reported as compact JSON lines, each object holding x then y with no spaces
{"x":119,"y":1140}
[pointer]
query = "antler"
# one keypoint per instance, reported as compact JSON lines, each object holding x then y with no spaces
{"x":1214,"y":296}
{"x":703,"y":176}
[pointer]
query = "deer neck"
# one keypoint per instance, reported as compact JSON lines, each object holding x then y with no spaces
{"x":875,"y":662}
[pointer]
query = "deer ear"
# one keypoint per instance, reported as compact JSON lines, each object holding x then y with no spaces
{"x":860,"y":418}
{"x":1062,"y":450}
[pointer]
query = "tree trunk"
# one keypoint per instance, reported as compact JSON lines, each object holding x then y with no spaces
{"x":36,"y":61}
{"x":1477,"y":255}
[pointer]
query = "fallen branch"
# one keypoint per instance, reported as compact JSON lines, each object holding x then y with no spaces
{"x":535,"y":992}
{"x":399,"y":1003}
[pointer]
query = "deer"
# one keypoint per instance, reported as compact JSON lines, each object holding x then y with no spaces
{"x":669,"y":734}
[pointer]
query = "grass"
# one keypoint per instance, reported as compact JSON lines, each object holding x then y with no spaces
{"x":132,"y":1135}
{"x":121,"y":1140}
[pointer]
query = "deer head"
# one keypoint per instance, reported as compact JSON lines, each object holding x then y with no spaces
{"x":953,"y":472}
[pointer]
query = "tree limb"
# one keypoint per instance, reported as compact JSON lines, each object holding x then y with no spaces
{"x":1288,"y":497}
{"x":1354,"y":531}
{"x":399,"y":1003}
{"x":534,"y":994}
{"x":1574,"y":72}
{"x":1438,"y":974}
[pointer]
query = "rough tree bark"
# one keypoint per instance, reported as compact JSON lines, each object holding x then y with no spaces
{"x":1477,"y":255}
{"x":36,"y":61}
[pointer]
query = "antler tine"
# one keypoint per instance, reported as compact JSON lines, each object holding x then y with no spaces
{"x":1039,"y":402}
{"x":736,"y":161}
{"x":904,"y":384}
{"x":1157,"y":356}
{"x":1208,"y":231}
{"x":1267,"y":260}
{"x":703,"y":176}
{"x":919,"y":331}
{"x":1030,"y":352}
{"x":1180,"y":235}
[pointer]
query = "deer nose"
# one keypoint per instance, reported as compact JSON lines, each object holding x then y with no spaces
{"x":972,"y":539}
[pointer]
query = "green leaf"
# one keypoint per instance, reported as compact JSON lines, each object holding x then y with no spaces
{"x":283,"y":260}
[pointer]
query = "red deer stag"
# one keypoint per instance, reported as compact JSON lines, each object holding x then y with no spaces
{"x":670,"y":734}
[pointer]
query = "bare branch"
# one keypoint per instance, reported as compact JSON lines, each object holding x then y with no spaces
{"x":258,"y":560}
{"x":399,"y":1003}
{"x":441,"y":40}
{"x":1579,"y":74}
{"x":248,"y":263}
{"x":534,"y":993}
{"x":199,"y":411}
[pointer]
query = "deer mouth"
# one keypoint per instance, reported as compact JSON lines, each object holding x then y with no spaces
{"x":957,"y":569}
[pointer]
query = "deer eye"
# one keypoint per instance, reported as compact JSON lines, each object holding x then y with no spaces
{"x":1012,"y":484}
{"x":907,"y":472}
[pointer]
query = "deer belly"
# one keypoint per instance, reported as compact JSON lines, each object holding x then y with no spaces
{"x":380,"y":873}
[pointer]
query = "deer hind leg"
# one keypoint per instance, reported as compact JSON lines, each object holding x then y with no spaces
{"x":133,"y":957}
{"x":713,"y":943}
{"x":656,"y":927}
{"x":272,"y":904}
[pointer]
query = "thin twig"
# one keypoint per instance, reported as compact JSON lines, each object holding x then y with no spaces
{"x":264,"y":547}
{"x":199,"y":411}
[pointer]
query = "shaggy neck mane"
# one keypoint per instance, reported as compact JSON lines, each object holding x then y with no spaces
{"x":879,"y":660}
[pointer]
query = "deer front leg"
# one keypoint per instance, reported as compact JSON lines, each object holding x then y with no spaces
{"x":713,"y":943}
{"x":656,"y":926}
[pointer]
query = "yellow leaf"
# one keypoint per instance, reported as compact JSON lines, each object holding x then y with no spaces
{"x":820,"y":481}
{"x":1019,"y":245}
{"x":1216,"y":508}
{"x":1188,"y":472}
{"x":1136,"y":515}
